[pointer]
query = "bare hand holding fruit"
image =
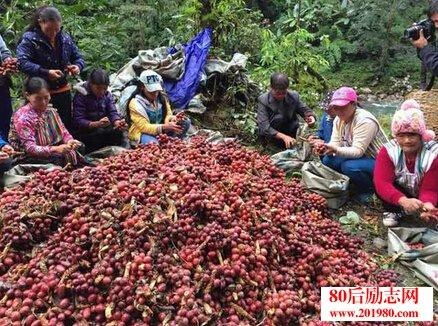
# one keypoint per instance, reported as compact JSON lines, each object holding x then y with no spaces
{"x":74,"y":144}
{"x":179,"y":118}
{"x":410,"y":205}
{"x":120,"y":124}
{"x":319,"y":148}
{"x":430,"y":212}
{"x":8,"y":149}
{"x":73,"y":70}
{"x":330,"y":149}
{"x":55,"y":74}
{"x":61,"y":149}
{"x":104,"y":122}
{"x":172,"y":127}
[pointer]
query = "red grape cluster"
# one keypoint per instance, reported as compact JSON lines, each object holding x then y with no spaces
{"x":387,"y":277}
{"x":283,"y":308}
{"x":9,"y":65}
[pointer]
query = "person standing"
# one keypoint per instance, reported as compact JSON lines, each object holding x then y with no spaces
{"x":48,"y":52}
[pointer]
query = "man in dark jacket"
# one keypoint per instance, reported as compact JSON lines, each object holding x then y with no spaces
{"x":95,"y":118}
{"x":277,"y":112}
{"x":428,"y":52}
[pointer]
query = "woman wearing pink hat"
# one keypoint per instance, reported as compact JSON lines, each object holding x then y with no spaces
{"x":406,"y":172}
{"x":356,"y":139}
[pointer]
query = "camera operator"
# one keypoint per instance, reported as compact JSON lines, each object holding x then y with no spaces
{"x":428,"y":53}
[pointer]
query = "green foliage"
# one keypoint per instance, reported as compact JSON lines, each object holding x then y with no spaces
{"x":246,"y":122}
{"x":324,"y":17}
{"x":314,"y":41}
{"x":353,"y":73}
{"x":235,"y":27}
{"x":292,"y":54}
{"x":403,"y":65}
{"x":107,"y":32}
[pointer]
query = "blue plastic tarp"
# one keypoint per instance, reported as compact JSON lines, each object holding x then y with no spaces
{"x":196,"y":51}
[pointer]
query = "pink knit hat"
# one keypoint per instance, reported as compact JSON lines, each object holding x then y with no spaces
{"x":410,"y":119}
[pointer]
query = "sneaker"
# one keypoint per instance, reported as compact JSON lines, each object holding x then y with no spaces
{"x":391,"y":219}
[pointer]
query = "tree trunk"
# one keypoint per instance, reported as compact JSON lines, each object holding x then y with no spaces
{"x":299,"y":14}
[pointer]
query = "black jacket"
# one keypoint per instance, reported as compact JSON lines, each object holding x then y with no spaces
{"x":36,"y":56}
{"x":271,"y":111}
{"x":429,"y":57}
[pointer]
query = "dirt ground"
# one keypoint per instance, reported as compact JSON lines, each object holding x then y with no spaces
{"x":370,"y":228}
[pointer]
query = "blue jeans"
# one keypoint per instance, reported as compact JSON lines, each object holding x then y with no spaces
{"x":147,"y":139}
{"x":360,"y":171}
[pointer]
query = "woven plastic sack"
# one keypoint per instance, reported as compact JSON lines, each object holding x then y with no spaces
{"x":423,"y":262}
{"x":326,"y":182}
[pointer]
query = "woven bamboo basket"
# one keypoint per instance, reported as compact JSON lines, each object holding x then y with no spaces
{"x":429,"y":105}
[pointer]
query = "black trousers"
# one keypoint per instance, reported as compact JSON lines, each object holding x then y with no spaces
{"x":5,"y":111}
{"x":4,"y":167}
{"x":63,"y":102}
{"x":285,"y":127}
{"x":95,"y":139}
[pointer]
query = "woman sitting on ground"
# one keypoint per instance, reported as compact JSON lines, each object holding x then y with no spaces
{"x":37,"y":129}
{"x":95,"y":117}
{"x":406,"y":173}
{"x":150,"y":114}
{"x":356,"y":139}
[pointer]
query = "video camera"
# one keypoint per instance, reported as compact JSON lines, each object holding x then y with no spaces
{"x":426,"y":25}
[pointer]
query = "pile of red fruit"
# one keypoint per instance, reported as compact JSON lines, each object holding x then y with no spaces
{"x":174,"y":233}
{"x":416,"y":245}
{"x":9,"y":65}
{"x":180,"y":118}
